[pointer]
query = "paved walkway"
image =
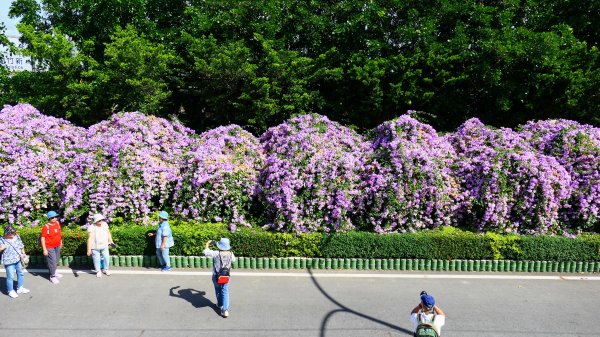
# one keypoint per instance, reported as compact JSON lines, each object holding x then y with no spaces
{"x":144,"y":302}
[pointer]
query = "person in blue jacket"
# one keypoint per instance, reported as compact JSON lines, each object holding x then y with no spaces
{"x":164,"y":241}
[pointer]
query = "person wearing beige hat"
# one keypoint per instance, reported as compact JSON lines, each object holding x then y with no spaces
{"x":99,"y":238}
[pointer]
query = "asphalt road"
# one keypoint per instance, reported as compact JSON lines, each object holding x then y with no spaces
{"x":141,"y":302}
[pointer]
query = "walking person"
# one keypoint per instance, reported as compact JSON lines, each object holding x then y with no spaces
{"x":13,"y":251}
{"x":51,"y":241}
{"x":99,"y":238}
{"x":222,"y":259}
{"x":164,"y":241}
{"x":427,"y":318}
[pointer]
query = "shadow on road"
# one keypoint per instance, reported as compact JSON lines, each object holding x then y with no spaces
{"x":195,"y":297}
{"x":345,"y":309}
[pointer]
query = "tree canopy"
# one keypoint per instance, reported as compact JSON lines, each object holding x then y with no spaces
{"x":359,"y":62}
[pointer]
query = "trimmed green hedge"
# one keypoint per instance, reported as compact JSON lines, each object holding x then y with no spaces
{"x":443,"y":244}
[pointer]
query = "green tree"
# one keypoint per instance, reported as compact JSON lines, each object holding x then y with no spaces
{"x":54,"y":67}
{"x":134,"y":76}
{"x":255,"y":63}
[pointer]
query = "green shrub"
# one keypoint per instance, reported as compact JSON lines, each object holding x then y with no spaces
{"x":451,"y":243}
{"x":504,"y":246}
{"x":258,"y":243}
{"x":444,"y":243}
{"x":133,"y":240}
{"x":190,"y":238}
{"x":552,"y":248}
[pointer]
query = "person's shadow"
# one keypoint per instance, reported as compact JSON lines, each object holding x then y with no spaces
{"x":195,"y":297}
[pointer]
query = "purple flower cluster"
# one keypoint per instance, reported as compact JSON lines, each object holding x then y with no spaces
{"x":34,"y":152}
{"x":577,"y":148}
{"x":308,"y":173}
{"x":507,"y":186}
{"x":312,"y":177}
{"x":410,"y":186}
{"x":219,"y":176}
{"x":126,"y":167}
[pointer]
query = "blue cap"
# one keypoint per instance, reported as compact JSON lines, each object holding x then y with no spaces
{"x":428,"y":301}
{"x":163,"y":215}
{"x":52,"y":214}
{"x":224,"y":244}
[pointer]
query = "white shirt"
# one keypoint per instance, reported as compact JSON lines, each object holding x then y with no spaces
{"x":438,"y":321}
{"x":99,"y":235}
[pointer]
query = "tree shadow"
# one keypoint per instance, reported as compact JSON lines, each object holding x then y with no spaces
{"x":195,"y":297}
{"x":345,"y":309}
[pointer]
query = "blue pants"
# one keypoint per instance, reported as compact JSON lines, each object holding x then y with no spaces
{"x":96,"y":258}
{"x":10,"y":270}
{"x":222,"y":291}
{"x":163,"y":257}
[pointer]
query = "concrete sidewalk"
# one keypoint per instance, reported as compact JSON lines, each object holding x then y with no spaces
{"x":146,"y":302}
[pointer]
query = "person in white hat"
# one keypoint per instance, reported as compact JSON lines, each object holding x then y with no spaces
{"x":99,"y":238}
{"x":222,"y":260}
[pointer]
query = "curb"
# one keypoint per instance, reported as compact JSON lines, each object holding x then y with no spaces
{"x":203,"y":262}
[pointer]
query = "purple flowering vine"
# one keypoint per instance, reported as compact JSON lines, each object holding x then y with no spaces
{"x":34,"y":152}
{"x":577,"y":148}
{"x":507,"y":186}
{"x":312,"y":176}
{"x":219,"y":177}
{"x":127,"y":167}
{"x":410,"y":186}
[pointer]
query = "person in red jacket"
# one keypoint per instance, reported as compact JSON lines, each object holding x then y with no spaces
{"x":51,"y":240}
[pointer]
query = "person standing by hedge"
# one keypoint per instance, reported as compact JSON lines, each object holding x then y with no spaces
{"x":51,"y":241}
{"x":13,"y":250}
{"x":223,"y":258}
{"x":99,"y":238}
{"x":164,"y":241}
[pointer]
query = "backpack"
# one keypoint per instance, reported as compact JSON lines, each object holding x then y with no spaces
{"x":426,"y":329}
{"x":223,"y":273}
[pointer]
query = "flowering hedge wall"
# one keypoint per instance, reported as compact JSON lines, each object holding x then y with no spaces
{"x":308,"y":174}
{"x":577,"y":148}
{"x":34,"y":152}
{"x":219,"y":177}
{"x":126,"y":168}
{"x":507,"y":186}
{"x":410,"y":186}
{"x":311,"y":180}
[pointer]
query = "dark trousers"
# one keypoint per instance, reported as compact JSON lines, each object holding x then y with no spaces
{"x":52,"y":260}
